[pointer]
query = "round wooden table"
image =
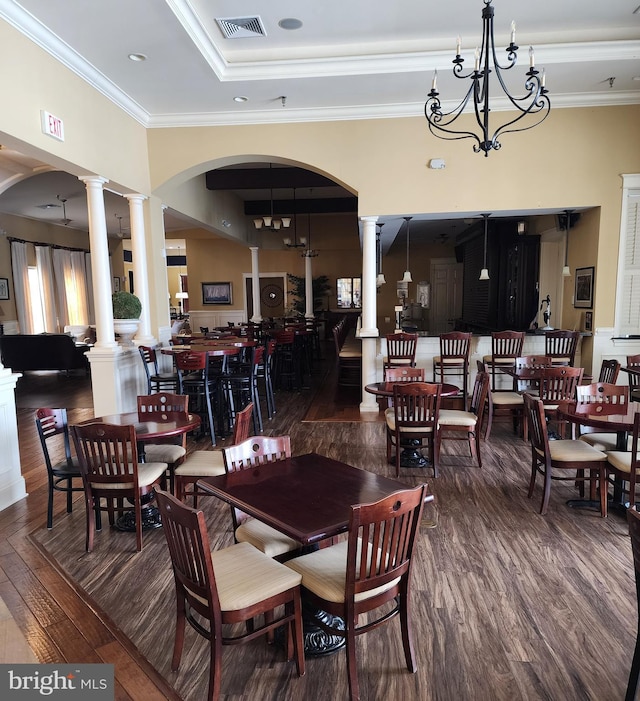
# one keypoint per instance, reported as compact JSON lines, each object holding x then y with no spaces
{"x":411,"y":455}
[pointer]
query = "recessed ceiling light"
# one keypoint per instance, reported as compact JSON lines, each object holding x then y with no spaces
{"x":240,"y":98}
{"x":137,"y":57}
{"x":290,"y":23}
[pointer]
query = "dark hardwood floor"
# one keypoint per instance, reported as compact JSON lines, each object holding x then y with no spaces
{"x":507,"y":604}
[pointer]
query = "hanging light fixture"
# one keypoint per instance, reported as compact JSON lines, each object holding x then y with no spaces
{"x":380,"y":275}
{"x":566,"y":271}
{"x":534,"y":104}
{"x":309,"y":252}
{"x":407,"y":274}
{"x":296,"y":243}
{"x":270,"y":222}
{"x":484,"y":273}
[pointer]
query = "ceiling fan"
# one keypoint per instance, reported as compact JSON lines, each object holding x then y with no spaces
{"x":64,"y":219}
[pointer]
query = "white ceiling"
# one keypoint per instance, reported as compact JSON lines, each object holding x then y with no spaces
{"x":356,"y":59}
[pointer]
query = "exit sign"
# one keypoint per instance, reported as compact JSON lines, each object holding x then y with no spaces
{"x":52,"y":126}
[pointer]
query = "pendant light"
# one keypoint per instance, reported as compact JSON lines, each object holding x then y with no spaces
{"x":566,"y":271}
{"x":484,"y":273}
{"x":407,"y":273}
{"x":269,"y":221}
{"x":380,"y":275}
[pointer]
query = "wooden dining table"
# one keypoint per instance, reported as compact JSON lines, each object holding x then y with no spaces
{"x":309,"y":498}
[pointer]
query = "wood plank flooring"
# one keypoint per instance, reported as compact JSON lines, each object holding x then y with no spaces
{"x":507,"y":604}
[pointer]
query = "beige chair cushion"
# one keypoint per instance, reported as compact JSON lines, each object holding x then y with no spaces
{"x":324,"y":572}
{"x":265,"y":538}
{"x":574,"y":451}
{"x":455,"y":417}
{"x":390,"y":418}
{"x":245,"y":576}
{"x":437,"y":360}
{"x":503,"y":398}
{"x":159,"y":452}
{"x":497,"y":361}
{"x":202,"y":463}
{"x":350,"y":354}
{"x":397,"y":361}
{"x":621,"y":460}
{"x":604,"y":441}
{"x":148,"y":473}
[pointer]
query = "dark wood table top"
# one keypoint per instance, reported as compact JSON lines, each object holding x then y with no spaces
{"x":212,"y":351}
{"x":385,"y":389}
{"x":308,"y":497}
{"x":176,"y":424}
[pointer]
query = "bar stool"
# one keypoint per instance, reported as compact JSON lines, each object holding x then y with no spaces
{"x":561,"y":346}
{"x":401,"y":350}
{"x":506,"y":346}
{"x":194,"y":381}
{"x":453,"y":358}
{"x":156,"y":381}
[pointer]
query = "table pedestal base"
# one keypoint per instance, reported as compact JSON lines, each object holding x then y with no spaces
{"x":317,"y":641}
{"x":150,"y":516}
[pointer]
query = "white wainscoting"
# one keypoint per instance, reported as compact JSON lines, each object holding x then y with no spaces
{"x":215,"y":317}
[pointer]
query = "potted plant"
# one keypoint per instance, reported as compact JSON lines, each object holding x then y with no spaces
{"x":126,"y":315}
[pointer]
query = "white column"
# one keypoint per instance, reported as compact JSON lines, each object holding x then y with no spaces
{"x":308,"y":287}
{"x":140,"y":275}
{"x":12,"y":484}
{"x":255,"y":286}
{"x":105,"y":335}
{"x":369,"y":331}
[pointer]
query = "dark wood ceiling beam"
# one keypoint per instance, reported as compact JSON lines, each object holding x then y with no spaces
{"x":336,"y":205}
{"x":258,"y":178}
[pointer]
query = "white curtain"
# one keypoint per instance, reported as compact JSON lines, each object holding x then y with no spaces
{"x":61,"y":264}
{"x":20,"y":270}
{"x":44,"y":266}
{"x":71,"y":287}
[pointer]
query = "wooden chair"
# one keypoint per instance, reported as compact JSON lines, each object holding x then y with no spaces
{"x":407,"y":374}
{"x":108,"y":458}
{"x":52,"y":425}
{"x":401,"y":350}
{"x":557,"y":389}
{"x":573,"y":455}
{"x":601,"y":398}
{"x":624,"y":465}
{"x":609,"y":371}
{"x":506,"y":346}
{"x":453,"y":358}
{"x":208,"y":463}
{"x":501,"y":404}
{"x":534,"y":362}
{"x":470,"y":421}
{"x":194,"y":381}
{"x":370,"y":569}
{"x":160,"y":407}
{"x":226,"y":587}
{"x":241,"y":385}
{"x":255,"y":451}
{"x":561,"y":346}
{"x":414,"y":417}
{"x":633,"y":519}
{"x":633,"y":361}
{"x":156,"y":381}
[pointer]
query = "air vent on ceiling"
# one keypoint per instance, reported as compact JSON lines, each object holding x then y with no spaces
{"x":241,"y":27}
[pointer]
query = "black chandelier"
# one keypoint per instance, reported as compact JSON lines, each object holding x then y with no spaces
{"x":534,"y":104}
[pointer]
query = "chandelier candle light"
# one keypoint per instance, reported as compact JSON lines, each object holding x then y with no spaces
{"x":380,"y":280}
{"x":534,"y":104}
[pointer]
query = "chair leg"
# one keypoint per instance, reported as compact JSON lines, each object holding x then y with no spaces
{"x":91,"y":527}
{"x":50,"y":505}
{"x":138,"y":511}
{"x":298,"y":642}
{"x":69,"y":495}
{"x":178,"y":641}
{"x":547,"y":490}
{"x":352,"y":668}
{"x":634,"y":674}
{"x":405,"y":629}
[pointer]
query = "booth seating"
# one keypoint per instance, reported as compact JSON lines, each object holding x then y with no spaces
{"x":348,"y":354}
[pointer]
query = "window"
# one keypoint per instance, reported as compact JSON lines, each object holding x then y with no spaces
{"x":349,"y":292}
{"x":628,"y":293}
{"x":37,"y":299}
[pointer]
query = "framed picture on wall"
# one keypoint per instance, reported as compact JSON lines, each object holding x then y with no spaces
{"x":583,"y":295}
{"x":588,"y":321}
{"x":116,"y":284}
{"x":4,"y":288}
{"x":216,"y":293}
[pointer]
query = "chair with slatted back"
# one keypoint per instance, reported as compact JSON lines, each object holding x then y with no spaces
{"x":609,"y":371}
{"x":624,"y":465}
{"x":554,"y":459}
{"x":414,"y":418}
{"x":557,"y":389}
{"x":633,"y":519}
{"x":601,"y":399}
{"x":113,"y":479}
{"x":633,"y":362}
{"x":532,"y":362}
{"x":194,"y":381}
{"x":506,"y":346}
{"x":501,"y":404}
{"x":161,"y":407}
{"x":561,"y":346}
{"x":216,"y":589}
{"x":369,"y":570}
{"x":407,"y":374}
{"x":253,"y":452}
{"x":209,"y":463}
{"x":156,"y":381}
{"x":453,"y":358}
{"x":241,"y":385}
{"x":468,"y":422}
{"x":401,"y":350}
{"x":63,"y":475}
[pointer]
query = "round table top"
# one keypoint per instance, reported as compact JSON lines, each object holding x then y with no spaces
{"x":385,"y":389}
{"x":176,"y":424}
{"x":607,"y":422}
{"x":210,"y":350}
